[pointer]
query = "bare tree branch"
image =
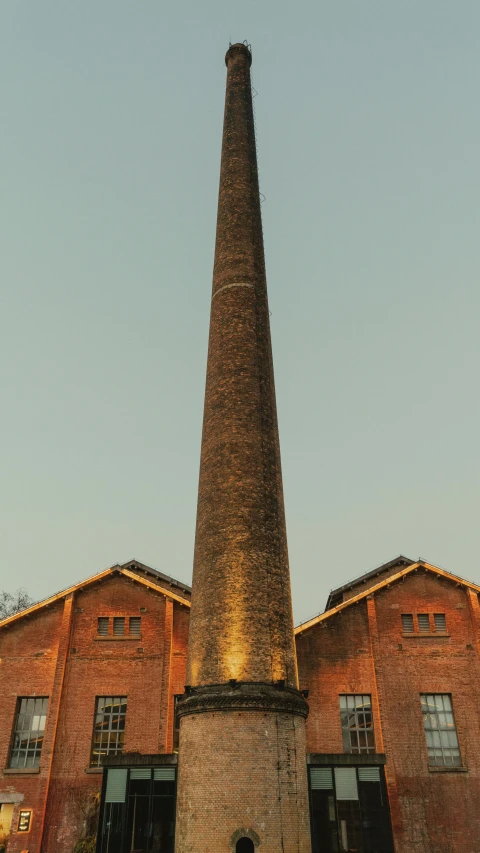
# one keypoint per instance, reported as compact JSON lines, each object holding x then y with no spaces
{"x":14,"y":602}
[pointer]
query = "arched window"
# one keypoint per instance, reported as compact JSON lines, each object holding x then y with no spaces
{"x":245,"y":845}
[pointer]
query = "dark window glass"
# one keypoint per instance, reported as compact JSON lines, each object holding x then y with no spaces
{"x":109,"y":727}
{"x":113,"y":827}
{"x":176,"y":723}
{"x":423,"y":622}
{"x":118,"y":626}
{"x":150,"y":811}
{"x":440,"y":621}
{"x":407,"y":622}
{"x":374,"y":810}
{"x":28,"y":730}
{"x":440,"y":729}
{"x":357,"y":723}
{"x":135,"y":623}
{"x":102,"y":627}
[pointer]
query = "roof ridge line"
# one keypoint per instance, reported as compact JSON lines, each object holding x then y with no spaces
{"x":309,"y":623}
{"x":117,"y":567}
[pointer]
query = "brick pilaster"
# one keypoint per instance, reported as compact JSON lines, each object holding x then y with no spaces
{"x":378,"y":700}
{"x":54,"y":705}
{"x":165,"y":737}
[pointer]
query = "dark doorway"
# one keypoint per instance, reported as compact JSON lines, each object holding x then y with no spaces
{"x":245,"y":845}
{"x":350,"y":810}
{"x":138,"y":811}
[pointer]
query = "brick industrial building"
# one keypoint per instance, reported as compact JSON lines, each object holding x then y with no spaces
{"x":207,"y":722}
{"x":406,"y":631}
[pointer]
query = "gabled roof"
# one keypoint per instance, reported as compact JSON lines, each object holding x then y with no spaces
{"x":141,"y":568}
{"x":337,"y":595}
{"x":132,"y":569}
{"x":391,"y":579}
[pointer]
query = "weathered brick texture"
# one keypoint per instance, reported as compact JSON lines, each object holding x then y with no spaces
{"x":242,"y":624}
{"x":242,"y":771}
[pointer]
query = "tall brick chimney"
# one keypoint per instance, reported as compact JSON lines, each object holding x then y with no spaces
{"x":242,"y":762}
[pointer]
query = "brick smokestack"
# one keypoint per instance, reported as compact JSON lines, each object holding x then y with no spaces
{"x":242,"y":740}
{"x":241,"y":624}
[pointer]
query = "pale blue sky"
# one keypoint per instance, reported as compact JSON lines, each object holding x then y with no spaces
{"x":368,"y":136}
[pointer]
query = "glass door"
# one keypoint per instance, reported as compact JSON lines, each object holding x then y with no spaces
{"x":138,"y":814}
{"x":349,"y":810}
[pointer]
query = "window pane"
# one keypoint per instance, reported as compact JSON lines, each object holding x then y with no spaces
{"x":444,"y":739}
{"x":135,"y":623}
{"x":102,"y":626}
{"x":119,"y":626}
{"x":423,"y":622}
{"x":452,"y":738}
{"x":407,"y":622}
{"x":440,"y":621}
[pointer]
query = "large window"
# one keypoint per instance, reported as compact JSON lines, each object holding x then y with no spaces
{"x":28,"y":731}
{"x":357,"y":723}
{"x":349,"y":810}
{"x":440,"y":729}
{"x":109,"y":727}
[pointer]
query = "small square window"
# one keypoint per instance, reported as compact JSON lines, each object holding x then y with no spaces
{"x":407,"y":623}
{"x":423,"y":622}
{"x":134,"y":626}
{"x":102,"y":627}
{"x":118,"y":626}
{"x":440,"y":621}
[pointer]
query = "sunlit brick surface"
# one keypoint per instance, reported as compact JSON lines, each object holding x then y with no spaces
{"x":241,"y":625}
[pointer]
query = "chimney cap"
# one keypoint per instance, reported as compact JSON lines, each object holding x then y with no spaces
{"x":239,"y":49}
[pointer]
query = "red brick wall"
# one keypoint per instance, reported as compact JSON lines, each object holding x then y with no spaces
{"x":358,"y":651}
{"x":363,"y":650}
{"x":93,"y":667}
